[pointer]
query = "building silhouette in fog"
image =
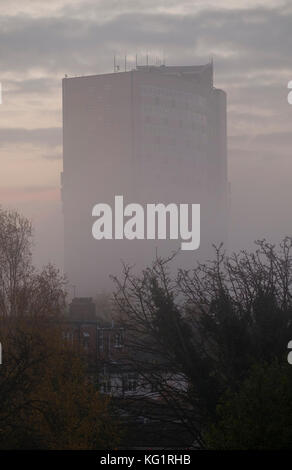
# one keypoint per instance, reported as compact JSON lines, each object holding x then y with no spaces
{"x":156,"y":134}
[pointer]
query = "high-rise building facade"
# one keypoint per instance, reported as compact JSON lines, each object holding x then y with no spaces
{"x":153,"y":135}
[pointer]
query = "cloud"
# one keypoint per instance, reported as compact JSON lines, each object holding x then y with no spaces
{"x":51,"y":137}
{"x":250,"y":41}
{"x":243,"y":40}
{"x":274,"y":139}
{"x":53,"y":156}
{"x":31,"y":86}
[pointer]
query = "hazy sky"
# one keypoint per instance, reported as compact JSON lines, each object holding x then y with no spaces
{"x":250,"y":42}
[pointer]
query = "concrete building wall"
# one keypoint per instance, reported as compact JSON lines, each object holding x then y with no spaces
{"x":156,"y":134}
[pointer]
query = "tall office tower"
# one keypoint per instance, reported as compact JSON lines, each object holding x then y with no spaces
{"x":156,"y":134}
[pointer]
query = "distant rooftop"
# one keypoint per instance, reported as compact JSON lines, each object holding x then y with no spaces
{"x":202,"y":73}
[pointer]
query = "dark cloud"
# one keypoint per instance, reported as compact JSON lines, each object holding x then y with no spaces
{"x":242,"y":40}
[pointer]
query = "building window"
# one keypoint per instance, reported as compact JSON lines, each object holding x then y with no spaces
{"x":118,"y":340}
{"x":100,"y":341}
{"x":130,"y":383}
{"x":105,"y":385}
{"x":68,"y":336}
{"x":86,"y":337}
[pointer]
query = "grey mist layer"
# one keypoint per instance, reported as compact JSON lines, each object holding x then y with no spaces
{"x":155,"y":134}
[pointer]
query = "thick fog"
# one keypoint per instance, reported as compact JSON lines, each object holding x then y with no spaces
{"x":250,"y":43}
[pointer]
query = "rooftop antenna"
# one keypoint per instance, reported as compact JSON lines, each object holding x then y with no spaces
{"x":74,"y":291}
{"x":212,"y":67}
{"x":136,"y":60}
{"x":125,"y":62}
{"x":147,"y":59}
{"x":116,"y":66}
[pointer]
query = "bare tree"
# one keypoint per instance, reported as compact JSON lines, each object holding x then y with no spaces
{"x":23,"y":290}
{"x":198,"y":334}
{"x":46,"y":400}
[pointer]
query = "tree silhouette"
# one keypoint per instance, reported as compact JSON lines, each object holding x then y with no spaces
{"x":199,"y":334}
